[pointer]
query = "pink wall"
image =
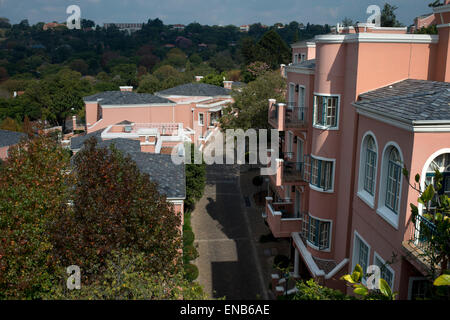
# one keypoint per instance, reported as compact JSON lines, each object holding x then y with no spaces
{"x":4,"y":152}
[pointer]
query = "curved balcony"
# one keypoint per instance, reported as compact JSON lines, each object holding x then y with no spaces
{"x":282,"y":219}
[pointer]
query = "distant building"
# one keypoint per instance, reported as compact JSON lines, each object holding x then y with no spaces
{"x":129,"y":27}
{"x":53,"y":25}
{"x":178,"y":26}
{"x":244,"y":28}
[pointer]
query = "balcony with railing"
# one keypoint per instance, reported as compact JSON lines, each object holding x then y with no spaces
{"x":296,"y":116}
{"x":290,"y":116}
{"x":418,"y":246}
{"x":282,"y":218}
{"x":290,"y":173}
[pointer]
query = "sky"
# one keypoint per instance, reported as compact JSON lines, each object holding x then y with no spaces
{"x":210,"y":12}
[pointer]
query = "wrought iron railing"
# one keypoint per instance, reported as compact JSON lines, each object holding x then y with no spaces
{"x":296,"y":116}
{"x":293,"y":171}
{"x":423,"y":231}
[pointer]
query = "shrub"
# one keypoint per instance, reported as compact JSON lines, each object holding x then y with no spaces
{"x":189,"y":253}
{"x":188,"y":237}
{"x":281,"y":261}
{"x":190,"y":272}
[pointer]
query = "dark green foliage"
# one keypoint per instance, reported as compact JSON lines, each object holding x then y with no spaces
{"x":281,"y":261}
{"x":311,"y":290}
{"x":388,"y":17}
{"x":133,"y":217}
{"x":195,"y":181}
{"x":191,"y":272}
{"x":252,"y":103}
{"x":188,"y":237}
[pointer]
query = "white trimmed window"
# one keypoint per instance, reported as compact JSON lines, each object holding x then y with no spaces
{"x":201,"y":119}
{"x":389,"y":200}
{"x":386,"y":271}
{"x":322,"y":174}
{"x":319,"y":233}
{"x":394,"y":178}
{"x":326,"y":109}
{"x":368,"y":170}
{"x":296,"y":58}
{"x":370,"y":166}
{"x":361,"y":252}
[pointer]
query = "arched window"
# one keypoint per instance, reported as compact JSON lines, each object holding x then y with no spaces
{"x":393,"y":181}
{"x":370,"y":166}
{"x":442,"y":164}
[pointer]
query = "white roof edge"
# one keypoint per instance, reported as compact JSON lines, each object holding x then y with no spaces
{"x":304,"y":44}
{"x":377,"y":37}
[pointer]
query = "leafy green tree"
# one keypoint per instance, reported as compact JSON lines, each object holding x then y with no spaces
{"x":311,"y":290}
{"x":126,"y":72}
{"x":347,"y":22}
{"x":214,"y":79}
{"x":149,"y":84}
{"x":252,"y":103}
{"x":436,"y":210}
{"x":164,"y":72}
{"x":388,"y":17}
{"x":10,"y":124}
{"x":126,"y":278}
{"x":115,"y":207}
{"x":34,"y":189}
{"x":195,"y":181}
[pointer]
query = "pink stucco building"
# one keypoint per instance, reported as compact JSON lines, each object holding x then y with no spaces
{"x":156,"y":124}
{"x":362,"y":104}
{"x":194,"y":108}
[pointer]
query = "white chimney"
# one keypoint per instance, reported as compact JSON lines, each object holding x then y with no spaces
{"x":126,"y":88}
{"x":228,"y":84}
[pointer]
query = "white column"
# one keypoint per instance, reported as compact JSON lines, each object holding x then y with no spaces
{"x":296,"y":263}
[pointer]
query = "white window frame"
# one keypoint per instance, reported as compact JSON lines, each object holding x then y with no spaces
{"x":296,"y":58}
{"x":302,"y":57}
{"x":338,"y":108}
{"x":291,"y":97}
{"x":362,"y":193}
{"x":388,"y":267}
{"x":290,"y":144}
{"x":330,"y":233}
{"x":201,"y":115}
{"x":333,"y":168}
{"x":383,"y":211}
{"x":354,"y":262}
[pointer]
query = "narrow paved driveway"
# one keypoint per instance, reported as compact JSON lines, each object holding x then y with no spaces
{"x":228,"y":259}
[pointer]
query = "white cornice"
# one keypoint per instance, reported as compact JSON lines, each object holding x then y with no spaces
{"x":378,"y":38}
{"x":299,"y":70}
{"x":307,"y":44}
